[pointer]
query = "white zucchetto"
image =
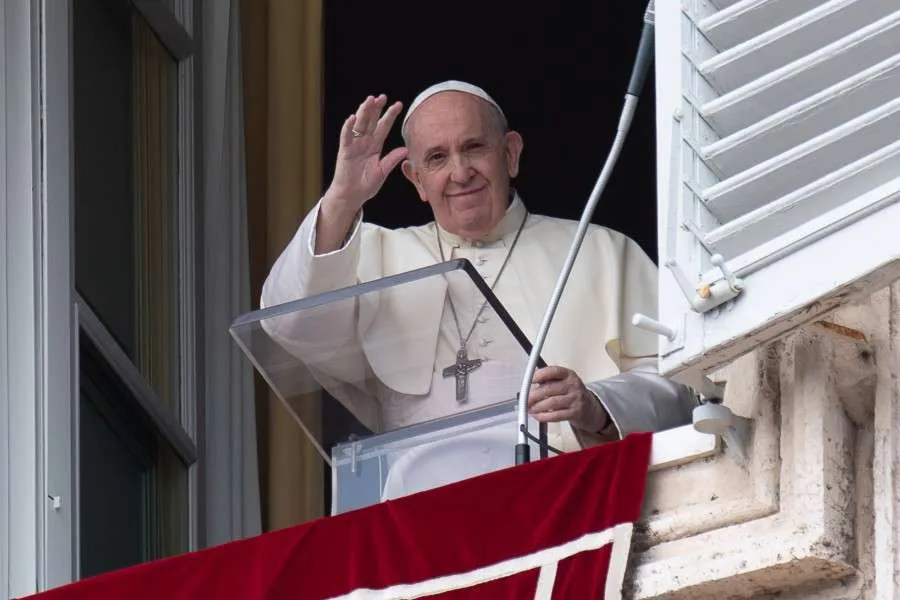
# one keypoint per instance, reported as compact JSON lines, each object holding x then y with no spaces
{"x":450,"y":86}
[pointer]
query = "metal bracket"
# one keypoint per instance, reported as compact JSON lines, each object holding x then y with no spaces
{"x":697,"y":380}
{"x":705,"y":297}
{"x":716,"y":418}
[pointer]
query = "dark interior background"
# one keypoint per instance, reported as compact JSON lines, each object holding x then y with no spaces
{"x":558,"y":70}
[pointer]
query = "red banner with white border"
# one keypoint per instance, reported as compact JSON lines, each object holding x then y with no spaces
{"x":551,"y":529}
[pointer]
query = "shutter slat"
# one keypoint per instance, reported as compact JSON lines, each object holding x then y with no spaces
{"x":800,"y":206}
{"x":806,"y":119}
{"x":797,"y":37}
{"x":785,"y":172}
{"x":804,"y":76}
{"x":723,"y":4}
{"x":738,"y":22}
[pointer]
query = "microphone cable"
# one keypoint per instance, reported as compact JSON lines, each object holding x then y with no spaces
{"x":635,"y":85}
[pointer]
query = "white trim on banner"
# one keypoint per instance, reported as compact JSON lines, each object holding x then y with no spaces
{"x":547,"y":559}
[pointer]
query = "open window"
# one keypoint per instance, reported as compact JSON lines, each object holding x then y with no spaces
{"x":778,"y":168}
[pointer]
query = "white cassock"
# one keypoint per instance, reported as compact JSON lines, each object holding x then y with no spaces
{"x":591,"y":333}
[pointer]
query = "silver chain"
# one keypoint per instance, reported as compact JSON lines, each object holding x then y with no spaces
{"x":465,"y":340}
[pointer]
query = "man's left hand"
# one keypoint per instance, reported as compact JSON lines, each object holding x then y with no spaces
{"x":558,"y":394}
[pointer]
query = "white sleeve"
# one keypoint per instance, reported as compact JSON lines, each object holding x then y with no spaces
{"x":299,"y":272}
{"x":323,"y":338}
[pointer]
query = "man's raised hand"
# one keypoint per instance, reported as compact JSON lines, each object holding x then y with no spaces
{"x":359,"y":171}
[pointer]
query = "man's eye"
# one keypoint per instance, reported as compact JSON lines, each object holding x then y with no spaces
{"x":435,"y":158}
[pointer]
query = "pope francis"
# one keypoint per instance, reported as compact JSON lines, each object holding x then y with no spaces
{"x":461,"y":156}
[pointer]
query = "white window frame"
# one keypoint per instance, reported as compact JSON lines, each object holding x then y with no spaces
{"x":36,"y":388}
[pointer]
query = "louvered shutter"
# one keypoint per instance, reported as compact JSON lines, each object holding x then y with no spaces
{"x":778,"y":157}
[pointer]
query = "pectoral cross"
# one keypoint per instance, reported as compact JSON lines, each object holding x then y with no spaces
{"x":461,"y":369}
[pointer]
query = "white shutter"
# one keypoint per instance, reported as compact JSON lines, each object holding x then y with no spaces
{"x":778,"y":125}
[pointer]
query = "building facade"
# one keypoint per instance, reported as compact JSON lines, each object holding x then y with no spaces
{"x":130,"y":154}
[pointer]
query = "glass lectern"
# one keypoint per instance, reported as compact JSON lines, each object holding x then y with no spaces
{"x":373,"y":374}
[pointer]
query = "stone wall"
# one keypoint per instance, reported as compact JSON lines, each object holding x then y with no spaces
{"x":808,"y":511}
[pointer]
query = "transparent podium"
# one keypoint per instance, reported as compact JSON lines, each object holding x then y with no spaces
{"x":376,"y":376}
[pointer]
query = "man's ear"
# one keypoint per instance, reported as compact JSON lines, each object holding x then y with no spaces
{"x":410,"y":173}
{"x":514,"y":144}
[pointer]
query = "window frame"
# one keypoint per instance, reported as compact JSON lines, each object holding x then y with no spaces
{"x":173,"y":27}
{"x":36,"y":550}
{"x":163,"y":419}
{"x":40,"y":314}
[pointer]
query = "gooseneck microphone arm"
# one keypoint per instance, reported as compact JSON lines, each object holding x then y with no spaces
{"x":636,"y":83}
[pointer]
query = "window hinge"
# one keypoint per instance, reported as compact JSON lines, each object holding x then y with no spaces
{"x":55,"y":501}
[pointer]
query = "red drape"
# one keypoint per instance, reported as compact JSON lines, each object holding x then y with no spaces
{"x":551,"y":514}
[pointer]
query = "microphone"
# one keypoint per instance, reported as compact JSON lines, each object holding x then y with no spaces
{"x":638,"y":75}
{"x":644,"y":53}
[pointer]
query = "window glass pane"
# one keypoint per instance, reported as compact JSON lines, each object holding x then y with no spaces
{"x":112,"y":479}
{"x":104,"y":198}
{"x":173,"y":5}
{"x":156,"y":238}
{"x":133,"y":503}
{"x":126,"y":245}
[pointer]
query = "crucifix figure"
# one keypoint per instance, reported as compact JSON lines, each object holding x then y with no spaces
{"x":461,"y":369}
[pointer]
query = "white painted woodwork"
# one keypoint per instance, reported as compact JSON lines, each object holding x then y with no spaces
{"x":738,"y":22}
{"x":777,"y":147}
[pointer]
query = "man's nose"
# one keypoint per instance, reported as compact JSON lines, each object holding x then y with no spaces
{"x":460,"y":168}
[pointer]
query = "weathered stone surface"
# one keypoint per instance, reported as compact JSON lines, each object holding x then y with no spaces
{"x":811,"y":512}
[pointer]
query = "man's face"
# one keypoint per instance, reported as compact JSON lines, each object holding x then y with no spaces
{"x":461,"y":162}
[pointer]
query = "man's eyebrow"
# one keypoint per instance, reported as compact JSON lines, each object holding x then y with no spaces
{"x":430,"y":150}
{"x":466,"y":141}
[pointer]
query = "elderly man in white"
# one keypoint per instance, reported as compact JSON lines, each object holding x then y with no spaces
{"x":460,"y":155}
